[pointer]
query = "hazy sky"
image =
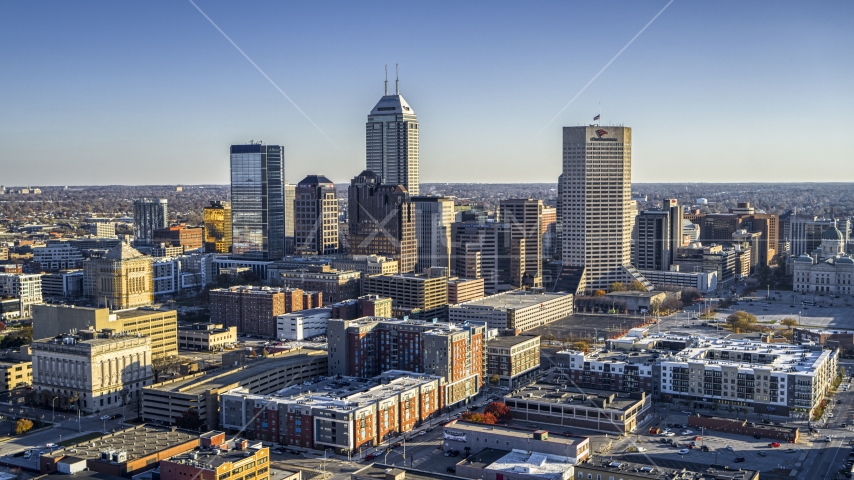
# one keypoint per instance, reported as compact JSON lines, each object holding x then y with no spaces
{"x":132,"y":92}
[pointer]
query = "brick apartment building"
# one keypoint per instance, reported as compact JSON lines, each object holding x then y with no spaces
{"x":364,"y":306}
{"x":371,"y":346}
{"x":190,"y":238}
{"x":253,"y":310}
{"x":353,"y":422}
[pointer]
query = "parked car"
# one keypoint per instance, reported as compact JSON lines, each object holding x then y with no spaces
{"x":739,"y":459}
{"x":687,"y":432}
{"x":451,"y":469}
{"x":774,"y":444}
{"x":669,"y":434}
{"x":370,"y":457}
{"x":684,"y":451}
{"x":790,"y":450}
{"x":704,"y":448}
{"x":729,"y":447}
{"x":761,"y":453}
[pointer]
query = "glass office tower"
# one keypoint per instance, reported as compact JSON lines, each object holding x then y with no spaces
{"x":258,"y":201}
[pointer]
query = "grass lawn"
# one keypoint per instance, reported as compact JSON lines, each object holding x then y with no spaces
{"x":80,"y":439}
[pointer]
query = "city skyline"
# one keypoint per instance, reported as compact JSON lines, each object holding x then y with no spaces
{"x":757,"y":89}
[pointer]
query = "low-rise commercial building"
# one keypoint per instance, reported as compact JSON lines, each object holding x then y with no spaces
{"x":638,"y":301}
{"x":600,"y":410}
{"x":303,"y":324}
{"x":124,"y":453}
{"x":644,"y":471}
{"x":843,"y":340}
{"x":15,"y":373}
{"x":705,"y":282}
{"x":512,"y":361}
{"x":206,"y":337}
{"x":460,"y":435}
{"x":220,"y":460}
{"x":56,"y":256}
{"x":100,"y":370}
{"x":516,"y":310}
{"x":343,"y":421}
{"x":517,"y":464}
{"x":366,"y":264}
{"x":63,"y":284}
{"x":164,"y":402}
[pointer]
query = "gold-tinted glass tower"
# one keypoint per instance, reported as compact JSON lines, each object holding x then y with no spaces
{"x":218,"y":227}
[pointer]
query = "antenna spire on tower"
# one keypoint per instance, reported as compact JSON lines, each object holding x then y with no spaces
{"x":386,"y":79}
{"x":396,"y":81}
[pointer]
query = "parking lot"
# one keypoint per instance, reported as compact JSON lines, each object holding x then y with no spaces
{"x":786,"y":456}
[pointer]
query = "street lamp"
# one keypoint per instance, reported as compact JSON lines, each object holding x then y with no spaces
{"x":53,"y":405}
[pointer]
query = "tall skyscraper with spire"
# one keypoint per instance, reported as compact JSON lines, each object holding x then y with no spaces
{"x":391,"y":140}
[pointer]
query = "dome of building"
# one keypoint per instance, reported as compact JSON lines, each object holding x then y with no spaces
{"x":832,"y":233}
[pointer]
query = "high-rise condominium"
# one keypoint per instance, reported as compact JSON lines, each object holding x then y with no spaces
{"x":391,"y":138}
{"x":316,"y":217}
{"x":290,"y":195}
{"x":433,"y":219}
{"x":258,"y":201}
{"x":149,"y":214}
{"x":595,"y":204}
{"x":382,"y":220}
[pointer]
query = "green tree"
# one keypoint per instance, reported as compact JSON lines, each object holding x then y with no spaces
{"x":617,"y":287}
{"x":637,"y":286}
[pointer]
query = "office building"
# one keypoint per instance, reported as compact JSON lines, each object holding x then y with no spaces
{"x":258,"y":201}
{"x":160,"y":325}
{"x":302,"y":325}
{"x":123,"y":278}
{"x":335,"y":285}
{"x":391,"y":142}
{"x":103,"y":229}
{"x":364,"y":306}
{"x":512,"y":361}
{"x":366,"y":264}
{"x":166,"y":401}
{"x":524,"y":219}
{"x":63,"y":284}
{"x":316,"y":217}
{"x":657,"y":235}
{"x":419,"y":296}
{"x":369,"y":346}
{"x":149,"y":214}
{"x":217,"y":218}
{"x":188,"y":238}
{"x":705,"y":282}
{"x":290,"y":218}
{"x":103,"y":371}
{"x":433,"y":219}
{"x":26,"y":288}
{"x":595,"y":204}
{"x":207,"y":337}
{"x":56,"y":256}
{"x":220,"y":460}
{"x":464,"y":289}
{"x":768,"y":226}
{"x":488,"y":251}
{"x":804,"y":232}
{"x":515,"y":310}
{"x":363,"y":416}
{"x":165,"y":250}
{"x":253,"y":310}
{"x":382,"y":220}
{"x":548,"y":232}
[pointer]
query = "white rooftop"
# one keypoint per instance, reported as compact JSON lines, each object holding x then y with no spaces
{"x":551,"y":467}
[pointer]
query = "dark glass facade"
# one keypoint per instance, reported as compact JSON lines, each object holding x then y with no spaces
{"x":258,"y":201}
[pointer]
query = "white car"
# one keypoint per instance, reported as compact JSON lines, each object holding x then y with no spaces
{"x":684,"y":451}
{"x":669,"y":434}
{"x":729,"y":447}
{"x":830,"y":415}
{"x":687,"y":432}
{"x":506,"y":389}
{"x":51,"y":445}
{"x":105,"y":417}
{"x":422,"y":432}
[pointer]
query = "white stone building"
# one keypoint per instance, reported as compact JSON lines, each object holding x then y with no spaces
{"x":827,"y":269}
{"x":101,"y":371}
{"x":303,"y":324}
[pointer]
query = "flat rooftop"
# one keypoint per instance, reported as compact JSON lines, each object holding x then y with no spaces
{"x":226,"y":376}
{"x":654,"y":472}
{"x":507,"y":342}
{"x":545,"y":393}
{"x":515,"y":432}
{"x":780,"y":357}
{"x":140,"y":312}
{"x":634,"y":294}
{"x":513,"y":299}
{"x":378,"y":471}
{"x":536,"y":464}
{"x":212,"y":459}
{"x":138,"y":442}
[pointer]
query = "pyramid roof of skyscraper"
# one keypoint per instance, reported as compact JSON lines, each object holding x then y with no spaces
{"x":392,"y":104}
{"x":123,"y":251}
{"x":314,"y":180}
